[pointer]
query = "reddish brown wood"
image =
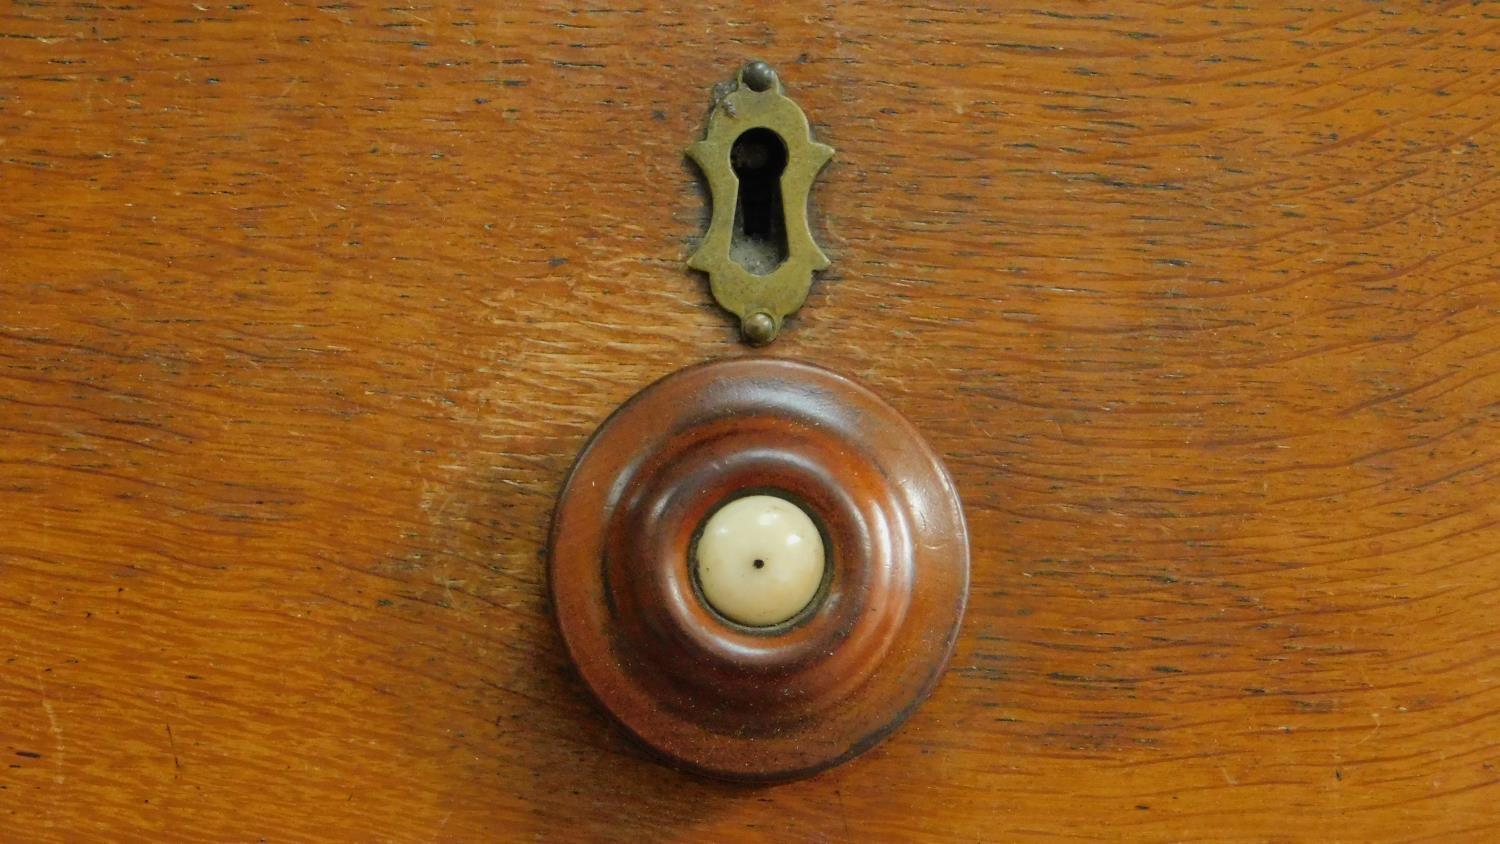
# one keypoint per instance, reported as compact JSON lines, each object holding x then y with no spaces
{"x":307,"y":309}
{"x":724,"y":700}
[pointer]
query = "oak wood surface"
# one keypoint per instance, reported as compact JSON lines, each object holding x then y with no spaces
{"x":306,"y":308}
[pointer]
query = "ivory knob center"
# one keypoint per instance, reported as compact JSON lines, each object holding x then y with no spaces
{"x":760,"y":560}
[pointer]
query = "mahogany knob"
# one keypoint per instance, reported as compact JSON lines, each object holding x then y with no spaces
{"x":741,"y":695}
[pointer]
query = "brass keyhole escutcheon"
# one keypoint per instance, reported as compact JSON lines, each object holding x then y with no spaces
{"x":759,"y":159}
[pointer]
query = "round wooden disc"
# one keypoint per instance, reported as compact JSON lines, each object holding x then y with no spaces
{"x":759,"y":703}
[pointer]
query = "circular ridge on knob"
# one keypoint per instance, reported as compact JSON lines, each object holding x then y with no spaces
{"x":706,"y":692}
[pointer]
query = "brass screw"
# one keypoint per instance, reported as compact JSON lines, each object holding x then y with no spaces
{"x":759,"y":328}
{"x":759,"y":76}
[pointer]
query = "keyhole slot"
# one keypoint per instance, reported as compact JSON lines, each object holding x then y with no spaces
{"x":758,"y":159}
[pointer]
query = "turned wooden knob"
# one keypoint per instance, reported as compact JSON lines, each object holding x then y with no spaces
{"x":708,"y":672}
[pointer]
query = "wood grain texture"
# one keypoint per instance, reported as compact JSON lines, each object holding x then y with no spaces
{"x":307,"y":309}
